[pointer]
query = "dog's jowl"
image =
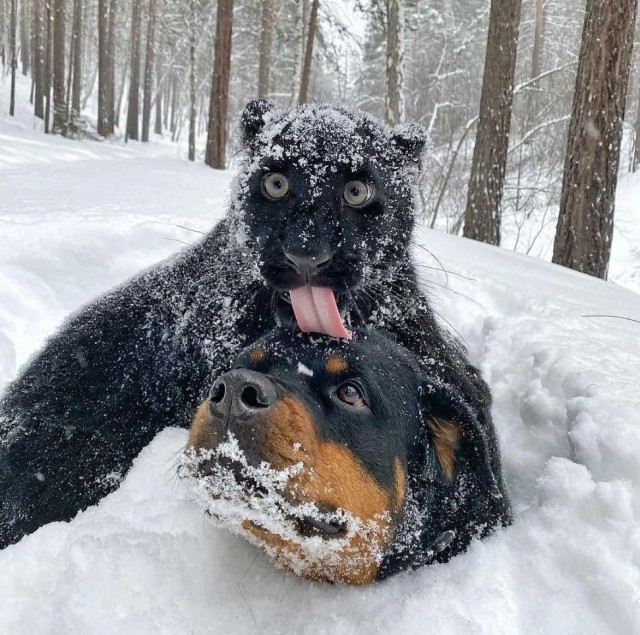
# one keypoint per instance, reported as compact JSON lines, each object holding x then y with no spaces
{"x":342,"y":460}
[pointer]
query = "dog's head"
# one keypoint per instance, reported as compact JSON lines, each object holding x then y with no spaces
{"x":341,"y":460}
{"x":325,"y":196}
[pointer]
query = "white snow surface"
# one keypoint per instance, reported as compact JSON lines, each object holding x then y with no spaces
{"x":78,"y":218}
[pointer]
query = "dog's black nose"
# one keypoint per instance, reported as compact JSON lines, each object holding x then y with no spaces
{"x":242,"y":392}
{"x":307,"y":266}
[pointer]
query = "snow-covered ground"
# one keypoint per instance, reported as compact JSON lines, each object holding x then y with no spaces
{"x":78,"y":218}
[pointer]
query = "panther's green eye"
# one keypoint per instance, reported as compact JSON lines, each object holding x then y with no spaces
{"x":357,"y":193}
{"x":275,"y":185}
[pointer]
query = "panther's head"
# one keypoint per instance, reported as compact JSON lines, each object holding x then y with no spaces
{"x":325,"y":198}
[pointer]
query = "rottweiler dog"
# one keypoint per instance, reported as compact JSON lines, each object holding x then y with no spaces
{"x":343,"y":460}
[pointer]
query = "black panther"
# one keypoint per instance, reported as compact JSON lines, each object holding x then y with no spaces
{"x":319,"y":225}
{"x":344,"y":460}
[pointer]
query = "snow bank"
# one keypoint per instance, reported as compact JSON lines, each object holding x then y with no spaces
{"x":146,"y":561}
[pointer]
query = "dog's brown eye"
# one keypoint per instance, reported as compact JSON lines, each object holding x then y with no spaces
{"x":351,"y":394}
{"x":275,"y":185}
{"x":357,"y":193}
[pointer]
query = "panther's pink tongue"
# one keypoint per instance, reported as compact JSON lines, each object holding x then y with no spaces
{"x":316,"y":311}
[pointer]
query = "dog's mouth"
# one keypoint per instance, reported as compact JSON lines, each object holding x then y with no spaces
{"x":309,"y":526}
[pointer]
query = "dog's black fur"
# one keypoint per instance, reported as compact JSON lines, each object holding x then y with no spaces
{"x":400,"y":420}
{"x":141,"y":357}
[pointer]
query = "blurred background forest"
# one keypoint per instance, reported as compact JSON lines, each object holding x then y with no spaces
{"x":145,"y":69}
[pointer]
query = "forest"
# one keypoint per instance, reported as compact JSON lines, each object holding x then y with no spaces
{"x":533,"y":106}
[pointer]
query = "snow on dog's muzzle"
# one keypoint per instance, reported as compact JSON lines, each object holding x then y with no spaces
{"x":258,"y":467}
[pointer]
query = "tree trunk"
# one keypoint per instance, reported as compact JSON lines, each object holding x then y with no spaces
{"x":113,"y":5}
{"x":486,"y":184}
{"x":148,"y":71}
{"x":104,"y":76}
{"x":192,"y":98}
{"x":48,"y":66}
{"x":76,"y":88}
{"x":536,"y":58}
{"x":395,"y":61}
{"x":636,"y":149}
{"x":59,"y":100}
{"x":268,"y":15}
{"x":12,"y":55}
{"x":306,"y":68}
{"x":587,"y":205}
{"x":133,"y":109}
{"x":217,"y":133}
{"x":38,"y":57}
{"x":24,"y":37}
{"x":159,"y":90}
{"x":77,"y":58}
{"x":299,"y":23}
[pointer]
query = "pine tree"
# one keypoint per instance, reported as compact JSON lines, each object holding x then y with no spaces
{"x":486,"y":185}
{"x":585,"y":225}
{"x":217,"y":134}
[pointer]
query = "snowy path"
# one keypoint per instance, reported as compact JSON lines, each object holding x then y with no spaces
{"x":144,"y":560}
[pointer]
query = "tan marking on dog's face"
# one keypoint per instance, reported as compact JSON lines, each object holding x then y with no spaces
{"x":202,"y":433}
{"x":333,"y":478}
{"x":336,"y":364}
{"x":446,"y":438}
{"x":400,"y":482}
{"x":257,"y":355}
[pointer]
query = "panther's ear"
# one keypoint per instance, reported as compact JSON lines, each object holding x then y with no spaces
{"x":252,"y":119}
{"x":456,"y":432}
{"x":412,"y":139}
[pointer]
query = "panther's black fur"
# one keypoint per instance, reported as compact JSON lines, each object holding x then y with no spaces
{"x":141,"y":358}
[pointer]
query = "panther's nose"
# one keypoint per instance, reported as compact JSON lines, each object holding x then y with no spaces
{"x":308,"y":266}
{"x":241,"y":392}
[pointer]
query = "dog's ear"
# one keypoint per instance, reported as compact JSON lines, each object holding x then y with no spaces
{"x":252,"y":119}
{"x":456,"y":432}
{"x":413,"y":140}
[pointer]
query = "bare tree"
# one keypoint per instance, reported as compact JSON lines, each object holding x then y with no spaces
{"x":268,"y":15}
{"x":299,"y":25}
{"x":39,"y":39}
{"x":536,"y":55}
{"x":486,"y":185}
{"x":24,"y":37}
{"x":133,"y":111}
{"x":635,"y":163}
{"x":48,"y":66}
{"x":159,"y":90}
{"x":148,"y":71}
{"x":111,"y":67}
{"x":12,"y":55}
{"x":215,"y":155}
{"x":395,"y":61}
{"x":192,"y":82}
{"x":585,"y":225}
{"x":104,"y":74}
{"x":59,"y":100}
{"x":306,"y":68}
{"x":77,"y":57}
